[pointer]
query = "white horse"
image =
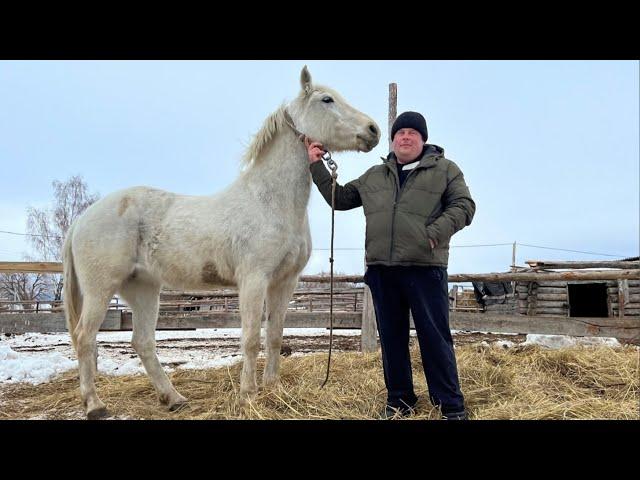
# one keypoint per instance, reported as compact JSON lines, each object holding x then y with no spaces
{"x":253,"y":235}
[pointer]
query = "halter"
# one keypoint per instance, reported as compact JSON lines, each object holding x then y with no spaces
{"x":289,"y":121}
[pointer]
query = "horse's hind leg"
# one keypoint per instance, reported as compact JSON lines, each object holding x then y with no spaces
{"x":278,"y":297}
{"x":94,"y":309}
{"x":252,"y":294}
{"x":143,"y":298}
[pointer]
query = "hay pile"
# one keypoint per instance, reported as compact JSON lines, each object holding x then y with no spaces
{"x":523,"y":382}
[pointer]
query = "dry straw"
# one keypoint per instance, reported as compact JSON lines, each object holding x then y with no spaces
{"x":522,"y":382}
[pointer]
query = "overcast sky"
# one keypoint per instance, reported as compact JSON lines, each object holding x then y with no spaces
{"x":549,"y":149}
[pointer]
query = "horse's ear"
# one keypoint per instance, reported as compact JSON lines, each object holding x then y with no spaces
{"x":305,"y":80}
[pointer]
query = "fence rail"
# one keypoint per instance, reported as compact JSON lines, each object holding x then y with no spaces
{"x":625,"y":328}
{"x":526,"y":276}
{"x":309,"y":307}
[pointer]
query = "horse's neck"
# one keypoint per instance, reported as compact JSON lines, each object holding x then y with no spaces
{"x":281,"y":176}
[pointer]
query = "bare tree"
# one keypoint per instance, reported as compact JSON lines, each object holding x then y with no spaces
{"x":23,"y":287}
{"x":46,"y":229}
{"x":49,"y":227}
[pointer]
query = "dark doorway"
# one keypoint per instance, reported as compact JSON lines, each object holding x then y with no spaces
{"x":588,"y":300}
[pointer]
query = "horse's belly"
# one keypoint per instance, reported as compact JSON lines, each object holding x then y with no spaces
{"x":191,"y":269}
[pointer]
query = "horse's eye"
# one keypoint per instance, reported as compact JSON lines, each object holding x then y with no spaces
{"x":327,"y":99}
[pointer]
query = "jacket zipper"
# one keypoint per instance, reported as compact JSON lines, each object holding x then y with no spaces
{"x":395,"y":202}
{"x":393,"y":214}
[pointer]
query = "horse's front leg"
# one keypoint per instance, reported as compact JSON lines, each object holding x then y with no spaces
{"x":252,"y":293}
{"x":278,"y":297}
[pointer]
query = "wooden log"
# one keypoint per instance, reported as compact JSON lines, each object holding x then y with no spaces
{"x":551,"y":304}
{"x":336,"y":278}
{"x":22,"y":302}
{"x":629,"y":274}
{"x":550,"y":284}
{"x":30,"y":267}
{"x":555,"y":264}
{"x":500,"y":306}
{"x":622,"y":328}
{"x":232,"y":320}
{"x":631,"y":290}
{"x":545,"y":290}
{"x":552,"y":296}
{"x":552,"y":290}
{"x":49,"y":322}
{"x":547,"y":277}
{"x":552,"y":311}
{"x":630,"y":306}
{"x":234,"y":293}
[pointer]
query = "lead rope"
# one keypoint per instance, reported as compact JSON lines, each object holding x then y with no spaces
{"x":333,"y":166}
{"x":334,"y":176}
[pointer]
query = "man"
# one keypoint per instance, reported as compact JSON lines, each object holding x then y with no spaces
{"x":414,"y":202}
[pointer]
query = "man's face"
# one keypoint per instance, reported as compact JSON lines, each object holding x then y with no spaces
{"x":407,"y":144}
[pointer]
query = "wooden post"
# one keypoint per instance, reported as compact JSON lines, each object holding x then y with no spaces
{"x":368,"y":332}
{"x":513,"y":267}
{"x":621,"y":297}
{"x":368,"y":336}
{"x":393,"y":105}
{"x":454,"y":291}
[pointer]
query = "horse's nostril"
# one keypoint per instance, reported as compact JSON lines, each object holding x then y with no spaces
{"x":373,"y":129}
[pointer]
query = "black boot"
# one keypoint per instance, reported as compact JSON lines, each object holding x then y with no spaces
{"x":391,"y":413}
{"x":455,"y":415}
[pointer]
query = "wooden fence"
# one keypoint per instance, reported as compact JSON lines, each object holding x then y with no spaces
{"x":309,"y":308}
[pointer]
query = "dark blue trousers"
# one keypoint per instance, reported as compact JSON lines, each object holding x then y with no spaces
{"x":424,"y":291}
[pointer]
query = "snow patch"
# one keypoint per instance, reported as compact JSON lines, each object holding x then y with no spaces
{"x":24,"y":367}
{"x":565,"y":341}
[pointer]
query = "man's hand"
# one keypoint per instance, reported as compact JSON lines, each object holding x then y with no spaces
{"x":432,"y":243}
{"x":314,"y":150}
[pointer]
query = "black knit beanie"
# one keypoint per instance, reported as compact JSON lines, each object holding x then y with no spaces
{"x":410,"y":120}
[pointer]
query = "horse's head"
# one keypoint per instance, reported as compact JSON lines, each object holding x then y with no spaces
{"x":324,"y":116}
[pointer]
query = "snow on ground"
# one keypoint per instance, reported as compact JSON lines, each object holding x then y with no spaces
{"x":564,"y":341}
{"x":462,"y":332}
{"x":37,"y":357}
{"x":20,"y":367}
{"x":45,"y":339}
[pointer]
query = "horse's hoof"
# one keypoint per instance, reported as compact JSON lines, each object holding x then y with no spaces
{"x":97,"y":414}
{"x":177,"y":405}
{"x":247,"y":398}
{"x":270,"y":383}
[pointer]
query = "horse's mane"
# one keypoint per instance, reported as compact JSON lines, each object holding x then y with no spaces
{"x":270,"y":127}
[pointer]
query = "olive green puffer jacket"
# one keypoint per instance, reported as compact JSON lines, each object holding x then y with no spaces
{"x":433,"y":203}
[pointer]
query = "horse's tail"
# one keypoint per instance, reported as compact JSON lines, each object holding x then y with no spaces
{"x":71,"y":290}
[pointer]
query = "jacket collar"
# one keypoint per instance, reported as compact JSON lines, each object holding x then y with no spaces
{"x":430,"y":156}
